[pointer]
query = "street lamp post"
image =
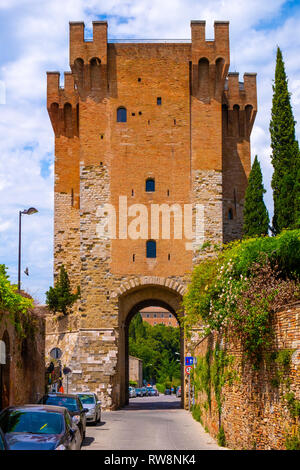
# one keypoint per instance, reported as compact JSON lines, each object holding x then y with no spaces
{"x":29,"y":211}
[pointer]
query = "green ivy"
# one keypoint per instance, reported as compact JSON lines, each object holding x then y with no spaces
{"x":221,"y":437}
{"x":232,"y":290}
{"x":292,"y":442}
{"x":196,"y":413}
{"x":17,"y":306}
{"x":293,"y":405}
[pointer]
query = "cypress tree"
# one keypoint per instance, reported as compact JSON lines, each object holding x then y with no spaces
{"x":60,"y":298}
{"x":285,"y":154}
{"x":256,"y":218}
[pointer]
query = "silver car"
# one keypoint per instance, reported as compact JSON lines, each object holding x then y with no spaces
{"x":132,"y":392}
{"x":90,"y":401}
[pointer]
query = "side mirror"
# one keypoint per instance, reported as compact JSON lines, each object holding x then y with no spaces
{"x":75,"y":419}
{"x":86,"y":410}
{"x":98,"y":402}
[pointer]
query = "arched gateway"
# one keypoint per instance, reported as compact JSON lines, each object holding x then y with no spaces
{"x":128,"y":243}
{"x":133,"y":301}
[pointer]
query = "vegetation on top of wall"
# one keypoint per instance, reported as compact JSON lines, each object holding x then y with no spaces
{"x":241,"y":288}
{"x":17,"y":306}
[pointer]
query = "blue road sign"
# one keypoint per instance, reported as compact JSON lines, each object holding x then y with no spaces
{"x":189,"y":360}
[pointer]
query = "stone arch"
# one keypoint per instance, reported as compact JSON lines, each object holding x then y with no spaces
{"x":78,"y":70}
{"x":132,"y":298}
{"x":219,"y":65}
{"x":248,"y":119}
{"x":68,"y":120}
{"x":203,"y":79}
{"x":55,"y":117}
{"x":95,"y":73}
{"x":236,"y":120}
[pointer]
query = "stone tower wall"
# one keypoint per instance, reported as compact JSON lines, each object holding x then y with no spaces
{"x":180,"y":131}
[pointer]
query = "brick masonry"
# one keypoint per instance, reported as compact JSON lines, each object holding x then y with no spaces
{"x":254,"y":412}
{"x":194,"y":143}
{"x":23,"y":375}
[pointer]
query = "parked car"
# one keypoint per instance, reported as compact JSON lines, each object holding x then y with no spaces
{"x":167,"y":391}
{"x":178,"y":392}
{"x":132,"y":392}
{"x":72,"y":403}
{"x":152,"y":392}
{"x":3,"y":444}
{"x":39,"y":427}
{"x":139,"y":392}
{"x":145,"y":391}
{"x":90,"y":401}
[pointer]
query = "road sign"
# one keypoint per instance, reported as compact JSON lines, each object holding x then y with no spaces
{"x":188,"y":369}
{"x":189,"y":360}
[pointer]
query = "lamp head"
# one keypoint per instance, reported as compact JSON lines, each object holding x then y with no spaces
{"x":31,"y":210}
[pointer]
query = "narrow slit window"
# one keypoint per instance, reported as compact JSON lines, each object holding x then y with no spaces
{"x":158,"y":101}
{"x":230,"y":214}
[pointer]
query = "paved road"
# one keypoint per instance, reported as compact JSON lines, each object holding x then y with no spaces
{"x":148,"y":423}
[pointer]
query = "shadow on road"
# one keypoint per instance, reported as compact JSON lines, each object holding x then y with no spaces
{"x":87,"y":441}
{"x":140,"y":404}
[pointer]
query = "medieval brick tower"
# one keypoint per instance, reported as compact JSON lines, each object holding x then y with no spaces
{"x":139,"y":125}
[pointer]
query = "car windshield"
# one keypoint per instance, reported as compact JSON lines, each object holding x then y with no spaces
{"x":87,"y":399}
{"x":69,"y":402}
{"x":36,"y":422}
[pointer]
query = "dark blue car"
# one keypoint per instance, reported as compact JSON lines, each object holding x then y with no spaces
{"x":38,"y":427}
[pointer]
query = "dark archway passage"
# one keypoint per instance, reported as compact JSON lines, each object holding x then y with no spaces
{"x":132,"y":303}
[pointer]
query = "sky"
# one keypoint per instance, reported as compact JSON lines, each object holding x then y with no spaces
{"x":34,"y":37}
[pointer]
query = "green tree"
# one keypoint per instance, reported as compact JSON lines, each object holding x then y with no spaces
{"x":285,"y":154}
{"x":60,"y":298}
{"x":256,"y":218}
{"x":156,"y":346}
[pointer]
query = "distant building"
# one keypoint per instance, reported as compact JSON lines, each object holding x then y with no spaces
{"x":158,"y":315}
{"x":136,"y":370}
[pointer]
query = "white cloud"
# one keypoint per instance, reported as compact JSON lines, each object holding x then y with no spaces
{"x":35,"y":38}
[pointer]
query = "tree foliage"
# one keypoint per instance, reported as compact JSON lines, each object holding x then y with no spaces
{"x":60,"y":298}
{"x":285,"y":154}
{"x":17,"y":306}
{"x":156,"y":346}
{"x":256,"y":218}
{"x":239,"y":290}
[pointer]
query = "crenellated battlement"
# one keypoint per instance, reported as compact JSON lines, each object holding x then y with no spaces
{"x":210,"y":49}
{"x":240,"y":93}
{"x":239,"y":104}
{"x":88,"y":50}
{"x":62,"y":104}
{"x":210,"y":60}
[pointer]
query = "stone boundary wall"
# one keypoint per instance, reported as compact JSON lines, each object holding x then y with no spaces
{"x":25,"y":361}
{"x":254,"y":411}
